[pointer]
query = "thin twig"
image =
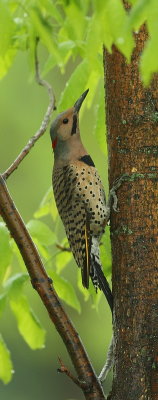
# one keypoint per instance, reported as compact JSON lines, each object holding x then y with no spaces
{"x":41,"y":81}
{"x":44,"y":123}
{"x":64,"y":370}
{"x":63,"y":248}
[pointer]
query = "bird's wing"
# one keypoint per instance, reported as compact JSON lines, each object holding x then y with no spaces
{"x":72,"y":211}
{"x":77,"y":226}
{"x":87,"y":259}
{"x":78,"y":192}
{"x":67,"y":185}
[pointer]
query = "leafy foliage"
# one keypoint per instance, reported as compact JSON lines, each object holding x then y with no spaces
{"x":68,"y":29}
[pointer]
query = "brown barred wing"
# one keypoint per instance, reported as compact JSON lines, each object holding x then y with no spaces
{"x":74,"y":217}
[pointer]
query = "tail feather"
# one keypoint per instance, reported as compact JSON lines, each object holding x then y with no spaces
{"x":103,"y":283}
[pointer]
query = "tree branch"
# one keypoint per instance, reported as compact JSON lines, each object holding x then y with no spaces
{"x":41,"y":81}
{"x":44,"y":123}
{"x":64,"y":370}
{"x":63,"y":248}
{"x":42,"y":284}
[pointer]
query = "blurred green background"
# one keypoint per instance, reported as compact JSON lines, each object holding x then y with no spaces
{"x":22,"y":106}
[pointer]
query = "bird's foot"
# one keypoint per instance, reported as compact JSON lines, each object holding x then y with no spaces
{"x":108,"y":364}
{"x":112,"y":195}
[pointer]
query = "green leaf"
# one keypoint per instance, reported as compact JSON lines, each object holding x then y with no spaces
{"x":78,"y":80}
{"x":2,"y":302}
{"x":62,"y":259}
{"x":6,"y":366}
{"x":5,"y":250}
{"x":99,"y":129}
{"x":7,"y":29}
{"x":31,"y":48}
{"x":65,"y":291}
{"x":98,"y":6}
{"x":93,"y":41}
{"x":118,"y":20}
{"x":139,"y":14}
{"x":47,"y":206}
{"x":49,"y":64}
{"x":18,"y":255}
{"x":21,"y":33}
{"x":150,"y":52}
{"x":49,"y":8}
{"x":44,"y":251}
{"x":6,"y":61}
{"x":75,"y":22}
{"x":41,"y":232}
{"x":67,"y":49}
{"x":67,"y":45}
{"x":110,"y":22}
{"x":15,"y":284}
{"x":106,"y":30}
{"x":28,"y":324}
{"x":44,"y":31}
{"x":92,"y":82}
{"x":148,"y":68}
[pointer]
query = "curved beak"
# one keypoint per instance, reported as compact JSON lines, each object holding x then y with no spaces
{"x":79,"y":102}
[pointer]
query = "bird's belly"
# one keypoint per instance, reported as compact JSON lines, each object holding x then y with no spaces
{"x":73,"y":200}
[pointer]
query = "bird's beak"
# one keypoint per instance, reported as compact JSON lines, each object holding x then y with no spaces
{"x":79,"y":102}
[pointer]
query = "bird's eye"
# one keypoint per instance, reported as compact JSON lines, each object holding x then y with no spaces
{"x":65,"y":120}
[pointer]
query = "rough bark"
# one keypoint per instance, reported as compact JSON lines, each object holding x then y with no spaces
{"x":132,"y":121}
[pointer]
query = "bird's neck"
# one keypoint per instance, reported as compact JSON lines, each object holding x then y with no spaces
{"x":68,"y":151}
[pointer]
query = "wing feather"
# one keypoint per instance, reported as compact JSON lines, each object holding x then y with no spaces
{"x":85,"y":270}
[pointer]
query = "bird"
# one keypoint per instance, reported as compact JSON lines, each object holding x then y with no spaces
{"x":80,"y":197}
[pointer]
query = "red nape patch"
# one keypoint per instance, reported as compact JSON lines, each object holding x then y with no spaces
{"x":54,"y":143}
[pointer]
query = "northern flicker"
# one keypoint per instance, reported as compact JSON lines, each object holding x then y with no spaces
{"x":79,"y":196}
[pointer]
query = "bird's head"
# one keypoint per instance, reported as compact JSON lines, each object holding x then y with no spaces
{"x":64,"y":130}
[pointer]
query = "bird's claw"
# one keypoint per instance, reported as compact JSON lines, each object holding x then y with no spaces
{"x":118,"y":182}
{"x":115,"y":209}
{"x":115,"y":200}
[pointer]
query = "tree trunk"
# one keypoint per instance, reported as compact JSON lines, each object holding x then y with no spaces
{"x":132,"y":124}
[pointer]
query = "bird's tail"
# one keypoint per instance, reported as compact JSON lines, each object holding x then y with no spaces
{"x":99,"y":280}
